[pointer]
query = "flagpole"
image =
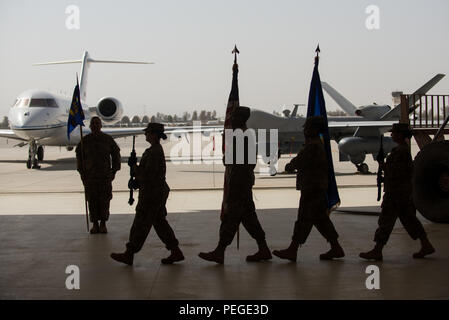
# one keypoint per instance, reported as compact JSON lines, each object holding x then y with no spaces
{"x":82,"y":163}
{"x":85,"y":195}
{"x":235,"y":52}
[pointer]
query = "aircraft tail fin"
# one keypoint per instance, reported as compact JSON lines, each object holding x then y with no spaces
{"x":344,"y":103}
{"x":85,"y":61}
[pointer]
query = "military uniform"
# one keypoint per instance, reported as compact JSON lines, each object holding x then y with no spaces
{"x":312,"y":180}
{"x":153,"y":194}
{"x":238,"y":203}
{"x":397,"y":201}
{"x":97,"y":167}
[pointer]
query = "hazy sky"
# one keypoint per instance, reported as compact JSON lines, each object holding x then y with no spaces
{"x":191,"y":41}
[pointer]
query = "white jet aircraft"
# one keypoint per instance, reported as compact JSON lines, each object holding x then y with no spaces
{"x":39,"y":118}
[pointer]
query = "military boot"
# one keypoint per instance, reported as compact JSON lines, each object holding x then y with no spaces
{"x":216,"y":256}
{"x":375,"y":254}
{"x":290,"y":253}
{"x":426,"y":249}
{"x":336,"y":251}
{"x":125,"y":257}
{"x":103,"y":228}
{"x":263,"y":254}
{"x":175,"y":256}
{"x":95,"y":228}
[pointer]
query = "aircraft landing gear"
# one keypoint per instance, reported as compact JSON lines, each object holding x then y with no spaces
{"x":32,"y":161}
{"x":40,"y":153}
{"x":363,"y":168}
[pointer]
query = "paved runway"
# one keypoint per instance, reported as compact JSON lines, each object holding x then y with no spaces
{"x":42,"y":231}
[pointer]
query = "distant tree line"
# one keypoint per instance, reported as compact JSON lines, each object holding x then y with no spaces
{"x":204,"y":116}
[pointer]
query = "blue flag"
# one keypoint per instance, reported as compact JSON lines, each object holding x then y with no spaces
{"x":76,"y":114}
{"x":317,"y":107}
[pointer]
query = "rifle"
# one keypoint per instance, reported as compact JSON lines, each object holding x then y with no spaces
{"x":380,"y":160}
{"x":132,"y":183}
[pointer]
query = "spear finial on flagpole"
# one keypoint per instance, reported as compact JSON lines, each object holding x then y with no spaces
{"x":317,"y":57}
{"x":235,"y":52}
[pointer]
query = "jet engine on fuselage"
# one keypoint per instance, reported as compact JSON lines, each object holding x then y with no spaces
{"x":109,"y":109}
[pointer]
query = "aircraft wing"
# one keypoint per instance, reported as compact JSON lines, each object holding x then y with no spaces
{"x":9,"y":134}
{"x":362,"y":128}
{"x":126,"y":132}
{"x":360,"y":124}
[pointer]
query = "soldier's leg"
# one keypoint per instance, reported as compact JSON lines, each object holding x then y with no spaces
{"x":251,"y":223}
{"x":229,"y":225}
{"x":327,"y":230}
{"x":415,"y":229}
{"x":301,"y":231}
{"x":164,"y":230}
{"x":143,"y":221}
{"x":304,"y":221}
{"x":386,"y":221}
{"x":412,"y":225}
{"x":167,"y":235}
{"x":228,"y":228}
{"x":93,"y":212}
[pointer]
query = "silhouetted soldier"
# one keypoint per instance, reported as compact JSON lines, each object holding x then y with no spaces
{"x":397,"y":201}
{"x":153,"y":194}
{"x":97,"y":162}
{"x":238,"y":202}
{"x":312,"y":180}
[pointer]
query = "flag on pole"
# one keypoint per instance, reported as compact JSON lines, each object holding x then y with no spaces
{"x":76,"y":114}
{"x":233,"y":102}
{"x":317,"y":107}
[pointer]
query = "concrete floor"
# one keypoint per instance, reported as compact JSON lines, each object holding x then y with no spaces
{"x":42,"y":231}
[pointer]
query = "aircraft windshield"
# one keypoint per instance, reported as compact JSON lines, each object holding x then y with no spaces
{"x":43,"y":103}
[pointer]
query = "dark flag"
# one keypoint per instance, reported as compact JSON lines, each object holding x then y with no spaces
{"x":317,"y":107}
{"x":233,"y":102}
{"x":76,"y":114}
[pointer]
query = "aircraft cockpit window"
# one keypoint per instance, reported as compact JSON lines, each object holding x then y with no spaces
{"x":38,"y":103}
{"x":51,"y":103}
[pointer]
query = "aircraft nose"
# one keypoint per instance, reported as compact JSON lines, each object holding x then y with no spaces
{"x":31,"y":118}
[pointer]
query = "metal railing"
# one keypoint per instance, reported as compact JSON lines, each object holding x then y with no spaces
{"x":424,"y":111}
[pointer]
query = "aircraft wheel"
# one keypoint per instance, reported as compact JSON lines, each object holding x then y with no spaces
{"x":40,"y":153}
{"x":35,"y":164}
{"x":29,"y":163}
{"x":289,"y":169}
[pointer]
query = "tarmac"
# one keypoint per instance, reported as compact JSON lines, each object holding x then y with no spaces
{"x":43,"y":231}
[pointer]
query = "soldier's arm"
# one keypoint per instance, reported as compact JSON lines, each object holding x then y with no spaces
{"x":296,"y":160}
{"x":147,"y":169}
{"x":78,"y":158}
{"x":399,"y":165}
{"x":304,"y":157}
{"x":115,"y":156}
